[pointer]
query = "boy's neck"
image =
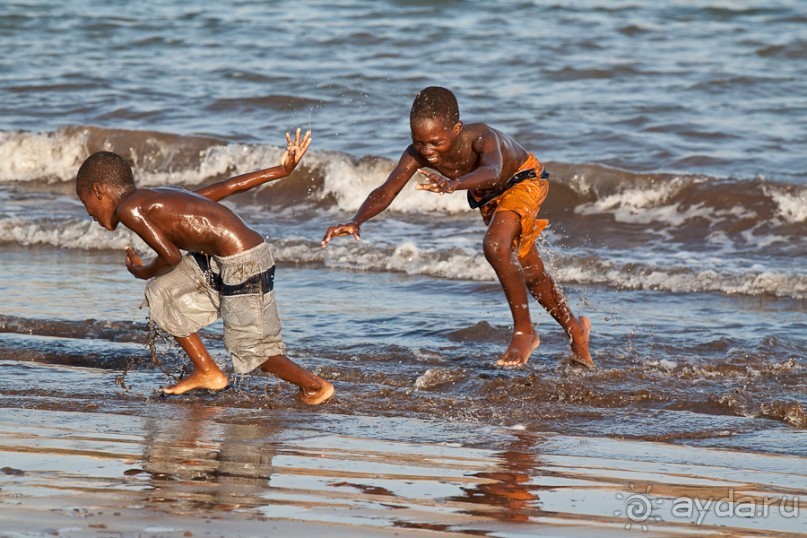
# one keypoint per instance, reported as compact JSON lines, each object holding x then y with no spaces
{"x":122,"y":195}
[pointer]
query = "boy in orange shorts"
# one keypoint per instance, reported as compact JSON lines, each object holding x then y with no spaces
{"x":508,"y":185}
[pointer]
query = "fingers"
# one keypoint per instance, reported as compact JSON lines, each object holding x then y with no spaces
{"x":338,"y":231}
{"x":327,"y":238}
{"x":430,"y":178}
{"x":330,"y":234}
{"x":306,"y":142}
{"x":132,"y":259}
{"x":428,"y":175}
{"x":427,"y":187}
{"x":296,"y":148}
{"x":436,"y":183}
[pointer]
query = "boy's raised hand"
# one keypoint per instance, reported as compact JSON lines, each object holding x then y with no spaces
{"x":349,"y":228}
{"x":295,"y":150}
{"x":436,"y":183}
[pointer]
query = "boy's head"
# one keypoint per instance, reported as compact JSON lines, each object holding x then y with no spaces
{"x":435,"y":123}
{"x":433,"y":103}
{"x":101,"y":182}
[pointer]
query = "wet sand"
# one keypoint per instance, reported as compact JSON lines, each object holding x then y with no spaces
{"x":175,"y":467}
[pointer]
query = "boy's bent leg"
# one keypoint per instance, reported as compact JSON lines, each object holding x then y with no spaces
{"x":504,"y":227}
{"x":546,"y":292}
{"x":314,"y":389}
{"x":206,"y":373}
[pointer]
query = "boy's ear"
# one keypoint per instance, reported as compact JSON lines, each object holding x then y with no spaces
{"x":457,"y":127}
{"x":98,"y":190}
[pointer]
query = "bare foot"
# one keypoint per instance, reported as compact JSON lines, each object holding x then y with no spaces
{"x":199,"y":380}
{"x":579,"y":343}
{"x":521,"y":347}
{"x":316,"y":397}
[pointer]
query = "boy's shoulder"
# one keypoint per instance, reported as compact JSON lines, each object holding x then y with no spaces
{"x":481,"y":131}
{"x":476,"y":129}
{"x":146,"y":197}
{"x":142,"y":194}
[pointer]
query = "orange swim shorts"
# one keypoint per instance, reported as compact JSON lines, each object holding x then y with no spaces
{"x":524,"y":199}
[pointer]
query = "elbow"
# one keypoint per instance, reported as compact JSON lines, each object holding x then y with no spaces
{"x":494,"y":172}
{"x":173,"y":258}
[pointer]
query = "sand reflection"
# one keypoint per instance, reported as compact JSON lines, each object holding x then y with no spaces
{"x":198,"y":462}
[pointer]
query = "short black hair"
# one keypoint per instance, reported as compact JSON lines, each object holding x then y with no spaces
{"x":107,"y":168}
{"x":435,"y":102}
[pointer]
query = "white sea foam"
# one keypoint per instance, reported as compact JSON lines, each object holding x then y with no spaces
{"x":56,"y":157}
{"x":349,"y":182}
{"x":214,"y":162}
{"x":791,"y":206}
{"x":687,"y":280}
{"x":454,"y":264}
{"x":685,"y":275}
{"x":643,"y":205}
{"x":85,"y":234}
{"x":52,"y":156}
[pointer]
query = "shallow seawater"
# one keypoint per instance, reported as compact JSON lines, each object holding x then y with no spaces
{"x":165,"y":468}
{"x":670,"y":367}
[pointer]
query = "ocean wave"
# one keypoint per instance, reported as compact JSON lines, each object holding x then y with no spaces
{"x":328,"y":177}
{"x":683,"y":275}
{"x":69,"y":234}
{"x":684,"y":279}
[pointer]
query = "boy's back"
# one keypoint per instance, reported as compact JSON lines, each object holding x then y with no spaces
{"x":174,"y":216}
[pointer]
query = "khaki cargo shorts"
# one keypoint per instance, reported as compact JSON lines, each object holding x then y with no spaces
{"x":237,"y":288}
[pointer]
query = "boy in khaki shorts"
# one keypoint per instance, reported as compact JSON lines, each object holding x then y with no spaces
{"x":228,"y":270}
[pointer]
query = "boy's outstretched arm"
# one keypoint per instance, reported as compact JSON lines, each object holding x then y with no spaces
{"x":378,"y":200}
{"x":288,"y":162}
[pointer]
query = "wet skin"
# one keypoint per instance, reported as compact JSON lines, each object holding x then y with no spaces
{"x":478,"y":157}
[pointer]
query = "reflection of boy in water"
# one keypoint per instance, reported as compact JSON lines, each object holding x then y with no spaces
{"x":200,"y":462}
{"x":508,"y":185}
{"x":228,"y":271}
{"x":508,"y":488}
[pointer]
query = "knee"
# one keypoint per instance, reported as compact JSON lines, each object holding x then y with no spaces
{"x":495,"y":248}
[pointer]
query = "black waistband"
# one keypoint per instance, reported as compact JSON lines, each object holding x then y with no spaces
{"x":255,"y":285}
{"x":515,"y":180}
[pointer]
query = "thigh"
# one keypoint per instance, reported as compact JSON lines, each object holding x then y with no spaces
{"x":180,"y":302}
{"x":504,"y":227}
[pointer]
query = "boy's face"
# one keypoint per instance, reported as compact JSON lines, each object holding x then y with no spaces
{"x":100,"y":206}
{"x":435,"y":139}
